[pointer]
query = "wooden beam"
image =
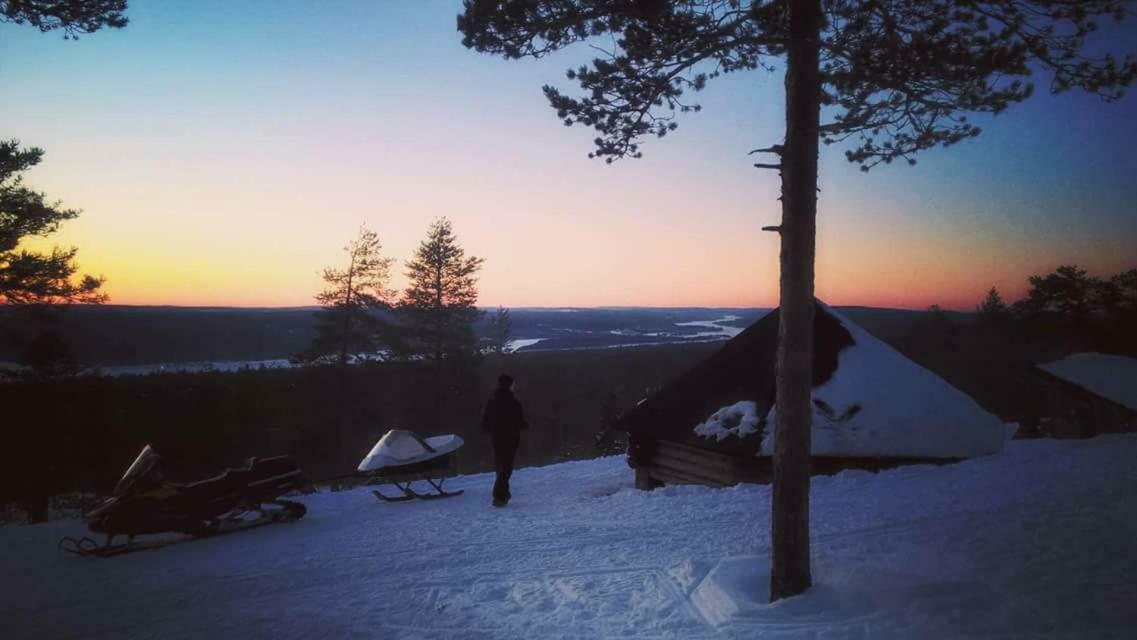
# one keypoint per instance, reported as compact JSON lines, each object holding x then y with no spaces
{"x":720,"y":474}
{"x":691,"y":452}
{"x":672,"y":476}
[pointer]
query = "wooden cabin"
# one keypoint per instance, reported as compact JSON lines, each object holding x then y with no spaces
{"x":664,"y":446}
{"x":1086,"y":394}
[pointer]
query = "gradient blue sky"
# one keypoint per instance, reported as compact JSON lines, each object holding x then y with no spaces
{"x":223,"y":152}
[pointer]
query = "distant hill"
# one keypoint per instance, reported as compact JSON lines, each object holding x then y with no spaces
{"x":113,"y":335}
{"x":122,"y":335}
{"x":894,"y":325}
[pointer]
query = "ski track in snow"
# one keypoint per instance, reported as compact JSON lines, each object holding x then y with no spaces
{"x":1038,"y":541}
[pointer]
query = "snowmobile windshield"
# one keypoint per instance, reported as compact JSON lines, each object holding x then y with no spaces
{"x":142,"y":473}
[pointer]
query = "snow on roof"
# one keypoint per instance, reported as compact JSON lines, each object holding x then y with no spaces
{"x":742,"y":370}
{"x":880,"y":403}
{"x":1109,"y":376}
{"x":739,"y":419}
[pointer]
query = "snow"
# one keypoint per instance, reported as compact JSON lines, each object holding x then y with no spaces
{"x":691,"y":338}
{"x":1109,"y":376}
{"x":739,"y":420}
{"x":520,"y":343}
{"x":1034,"y":542}
{"x":904,"y":409}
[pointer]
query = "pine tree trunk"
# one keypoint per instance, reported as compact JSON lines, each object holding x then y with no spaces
{"x":790,"y":519}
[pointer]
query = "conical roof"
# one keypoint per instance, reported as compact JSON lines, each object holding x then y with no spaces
{"x":869,"y":400}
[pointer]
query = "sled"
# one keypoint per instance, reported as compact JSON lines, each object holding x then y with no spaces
{"x":145,"y":503}
{"x":403,"y":457}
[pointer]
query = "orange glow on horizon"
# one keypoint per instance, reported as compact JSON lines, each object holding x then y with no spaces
{"x":710,"y":273}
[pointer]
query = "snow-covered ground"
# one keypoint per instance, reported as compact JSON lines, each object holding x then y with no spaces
{"x":1039,"y":540}
{"x":1109,"y":376}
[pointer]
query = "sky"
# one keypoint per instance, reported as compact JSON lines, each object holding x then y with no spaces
{"x":224,"y":153}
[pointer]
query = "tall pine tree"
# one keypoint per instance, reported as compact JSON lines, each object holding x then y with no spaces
{"x":1069,"y":293}
{"x":897,"y":77}
{"x":43,"y":279}
{"x":73,"y":17}
{"x":37,"y":286}
{"x":348,"y":324}
{"x":438,"y":305}
{"x":32,"y":277}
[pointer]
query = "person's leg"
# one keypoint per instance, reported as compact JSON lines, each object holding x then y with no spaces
{"x":501,"y":481}
{"x":509,"y":456}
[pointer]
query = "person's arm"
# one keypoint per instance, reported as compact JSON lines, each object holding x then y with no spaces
{"x":521,"y":423}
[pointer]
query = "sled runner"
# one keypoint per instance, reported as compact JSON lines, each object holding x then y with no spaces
{"x":144,"y":502}
{"x":402,"y":457}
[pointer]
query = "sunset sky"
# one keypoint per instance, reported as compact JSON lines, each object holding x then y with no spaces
{"x":224,"y":152}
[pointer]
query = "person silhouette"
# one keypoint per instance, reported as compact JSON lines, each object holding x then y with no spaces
{"x":504,"y":420}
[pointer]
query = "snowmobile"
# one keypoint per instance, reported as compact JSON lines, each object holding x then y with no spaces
{"x":144,"y":502}
{"x":402,"y":457}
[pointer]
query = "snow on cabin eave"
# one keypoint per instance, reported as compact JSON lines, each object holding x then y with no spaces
{"x":1109,"y":377}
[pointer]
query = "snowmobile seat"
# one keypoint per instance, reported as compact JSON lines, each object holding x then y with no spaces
{"x":272,"y":466}
{"x":228,"y":481}
{"x":276,"y":471}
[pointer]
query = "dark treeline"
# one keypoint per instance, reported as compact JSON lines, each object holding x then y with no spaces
{"x":79,"y":434}
{"x":1070,"y":308}
{"x":992,"y":355}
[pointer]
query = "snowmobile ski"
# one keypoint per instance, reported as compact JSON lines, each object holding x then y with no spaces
{"x":410,"y":494}
{"x":85,"y":546}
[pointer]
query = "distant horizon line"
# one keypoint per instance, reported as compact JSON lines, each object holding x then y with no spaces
{"x":561,"y":308}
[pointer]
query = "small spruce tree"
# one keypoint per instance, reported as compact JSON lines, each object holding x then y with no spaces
{"x":992,"y":311}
